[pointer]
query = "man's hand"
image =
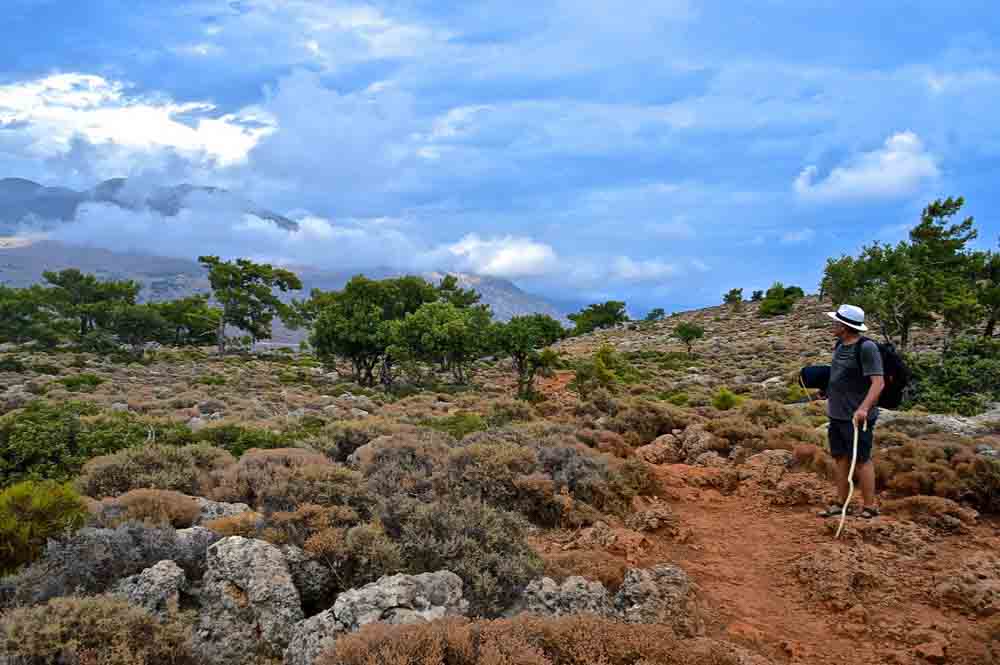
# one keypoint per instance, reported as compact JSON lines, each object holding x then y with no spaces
{"x":860,"y":417}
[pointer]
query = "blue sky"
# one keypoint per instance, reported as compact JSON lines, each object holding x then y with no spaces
{"x":656,"y":152}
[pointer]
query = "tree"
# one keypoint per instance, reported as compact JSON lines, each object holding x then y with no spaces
{"x":778,"y":300}
{"x":656,"y":314}
{"x":734,"y":297}
{"x":524,"y":339}
{"x":86,"y":299}
{"x":354,"y":323}
{"x":603,"y":315}
{"x":757,"y":296}
{"x":451,"y":292}
{"x":27,"y":316}
{"x":988,"y":289}
{"x":245,"y":291}
{"x":136,"y":325}
{"x":688,"y":332}
{"x":442,"y":333}
{"x":191,"y":320}
{"x":911,"y":284}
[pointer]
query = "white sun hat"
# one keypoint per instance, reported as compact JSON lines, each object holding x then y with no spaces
{"x":851,"y":316}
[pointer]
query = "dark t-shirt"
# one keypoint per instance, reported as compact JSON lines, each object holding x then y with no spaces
{"x":847,"y":391}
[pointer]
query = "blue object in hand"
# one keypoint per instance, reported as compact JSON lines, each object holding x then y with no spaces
{"x":815,"y":377}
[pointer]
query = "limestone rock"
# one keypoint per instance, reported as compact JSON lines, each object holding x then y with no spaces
{"x":665,"y":449}
{"x":213,"y":510}
{"x":767,"y":467}
{"x":156,"y":589}
{"x":315,"y":582}
{"x":662,"y":594}
{"x":574,"y":596}
{"x":398,"y":599}
{"x":249,"y":603}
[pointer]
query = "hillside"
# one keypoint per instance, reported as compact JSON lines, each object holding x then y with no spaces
{"x":693,"y":527}
{"x":164,"y":278}
{"x":27,"y":205}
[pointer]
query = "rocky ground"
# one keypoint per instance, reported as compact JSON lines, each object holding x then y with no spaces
{"x":724,"y":545}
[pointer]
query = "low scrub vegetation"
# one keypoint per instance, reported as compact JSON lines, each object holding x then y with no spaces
{"x":31,"y":513}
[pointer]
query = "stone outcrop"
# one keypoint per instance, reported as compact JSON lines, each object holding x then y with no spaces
{"x":250,"y":605}
{"x":396,"y":599}
{"x":156,"y":589}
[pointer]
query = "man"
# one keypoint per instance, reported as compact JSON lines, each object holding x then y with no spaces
{"x":852,"y":396}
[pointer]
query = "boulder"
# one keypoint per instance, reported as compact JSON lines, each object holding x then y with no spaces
{"x":767,"y":467}
{"x":662,"y":594}
{"x":249,"y":603}
{"x":575,"y":595}
{"x":664,"y":449}
{"x":315,"y":582}
{"x":213,"y":510}
{"x":397,"y":599}
{"x":156,"y":589}
{"x":211,"y":406}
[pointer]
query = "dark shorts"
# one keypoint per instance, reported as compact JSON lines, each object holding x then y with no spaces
{"x":841,"y":436}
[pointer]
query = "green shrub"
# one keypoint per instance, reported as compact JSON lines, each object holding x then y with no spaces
{"x":339,"y":439}
{"x":237,"y":439}
{"x":357,"y":555}
{"x":96,"y":631}
{"x":81,"y":383}
{"x":188,"y":469}
{"x":640,"y":421}
{"x":31,"y":513}
{"x":484,"y":546}
{"x":46,"y":368}
{"x":39,"y":442}
{"x":211,"y":380}
{"x":725,"y":399}
{"x":12,"y":364}
{"x":766,"y":413}
{"x":962,"y":379}
{"x":779,"y":299}
{"x":458,"y":425}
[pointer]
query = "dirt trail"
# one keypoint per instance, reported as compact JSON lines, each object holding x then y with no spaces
{"x":744,"y":554}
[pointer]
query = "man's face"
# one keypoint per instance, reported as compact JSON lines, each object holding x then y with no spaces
{"x":839,"y":330}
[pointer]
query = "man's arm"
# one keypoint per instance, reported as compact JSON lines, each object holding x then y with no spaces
{"x":871,"y":399}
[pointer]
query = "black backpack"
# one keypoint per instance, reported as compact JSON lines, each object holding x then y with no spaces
{"x":897,"y":375}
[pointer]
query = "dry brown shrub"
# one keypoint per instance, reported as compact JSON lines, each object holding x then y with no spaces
{"x":404,"y":463}
{"x":932,"y":511}
{"x":285,"y":478}
{"x":605,"y":441}
{"x":738,"y":431}
{"x":593,"y":565}
{"x":92,"y":631}
{"x":815,"y":459}
{"x":766,"y":413}
{"x":640,"y":421}
{"x":247,"y":525}
{"x":787,"y":437}
{"x":526,"y":640}
{"x":358,"y":555}
{"x":151,"y":507}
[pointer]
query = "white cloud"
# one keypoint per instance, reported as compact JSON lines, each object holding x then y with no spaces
{"x":629,"y":270}
{"x":798,"y":237}
{"x":57,"y":108}
{"x":504,"y":257}
{"x":896,"y":169}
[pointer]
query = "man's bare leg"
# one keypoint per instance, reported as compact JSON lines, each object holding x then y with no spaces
{"x":843,"y":470}
{"x":866,"y":473}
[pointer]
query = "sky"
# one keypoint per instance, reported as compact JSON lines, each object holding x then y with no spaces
{"x":659,"y":153}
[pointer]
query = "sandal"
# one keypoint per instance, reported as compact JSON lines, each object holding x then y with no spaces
{"x":869,"y":513}
{"x":833,"y":510}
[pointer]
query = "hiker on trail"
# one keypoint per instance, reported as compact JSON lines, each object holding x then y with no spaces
{"x":856,"y":380}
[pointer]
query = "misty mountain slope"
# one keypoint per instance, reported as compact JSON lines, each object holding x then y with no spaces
{"x":164,"y":278}
{"x":27,"y":204}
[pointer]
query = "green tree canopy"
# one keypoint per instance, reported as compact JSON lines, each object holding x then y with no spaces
{"x":912,"y":283}
{"x":442,"y":333}
{"x":524,"y":339}
{"x":688,"y":332}
{"x":86,"y":299}
{"x":191,"y":320}
{"x":656,"y":314}
{"x":26,"y":315}
{"x":245,"y":291}
{"x":603,"y":315}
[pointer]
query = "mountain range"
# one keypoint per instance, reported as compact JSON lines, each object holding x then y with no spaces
{"x":27,"y":204}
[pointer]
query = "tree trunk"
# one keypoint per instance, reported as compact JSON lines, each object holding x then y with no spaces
{"x":991,"y":325}
{"x":220,"y":336}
